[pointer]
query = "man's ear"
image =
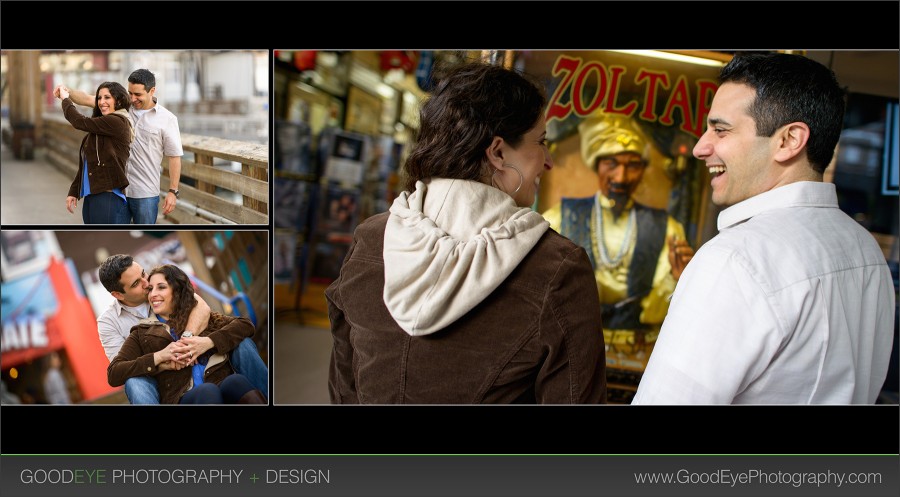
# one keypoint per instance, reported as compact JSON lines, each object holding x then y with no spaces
{"x":791,"y":139}
{"x":494,"y":152}
{"x":117,"y":295}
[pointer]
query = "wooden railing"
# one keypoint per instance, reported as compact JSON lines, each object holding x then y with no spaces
{"x":208,"y":201}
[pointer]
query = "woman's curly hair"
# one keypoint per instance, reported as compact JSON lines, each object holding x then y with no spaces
{"x":183,"y":300}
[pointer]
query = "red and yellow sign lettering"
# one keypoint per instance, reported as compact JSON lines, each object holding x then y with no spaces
{"x":587,"y":86}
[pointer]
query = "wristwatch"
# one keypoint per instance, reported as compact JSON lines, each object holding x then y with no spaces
{"x":174,"y":191}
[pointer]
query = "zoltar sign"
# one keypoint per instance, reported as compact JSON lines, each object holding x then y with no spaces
{"x":652,"y":95}
{"x":667,"y":100}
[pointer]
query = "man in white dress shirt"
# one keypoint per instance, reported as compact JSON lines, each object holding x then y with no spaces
{"x":792,"y":302}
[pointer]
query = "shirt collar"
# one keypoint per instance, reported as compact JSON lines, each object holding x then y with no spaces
{"x":141,"y":311}
{"x":134,"y":112}
{"x":799,"y":194}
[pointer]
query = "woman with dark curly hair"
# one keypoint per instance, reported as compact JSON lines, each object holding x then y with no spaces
{"x":188,"y":369}
{"x":104,"y":152}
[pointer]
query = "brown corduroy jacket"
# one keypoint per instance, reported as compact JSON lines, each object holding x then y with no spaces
{"x":537,"y":338}
{"x":106,"y":148}
{"x":135,"y":358}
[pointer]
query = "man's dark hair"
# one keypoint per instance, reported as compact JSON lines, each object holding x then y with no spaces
{"x":143,"y":77}
{"x":468,"y":107}
{"x":111,"y":271}
{"x":792,"y":88}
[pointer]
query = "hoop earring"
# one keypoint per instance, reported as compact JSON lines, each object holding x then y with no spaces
{"x":521,"y":179}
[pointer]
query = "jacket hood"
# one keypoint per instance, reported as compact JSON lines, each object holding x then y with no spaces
{"x":447,"y":246}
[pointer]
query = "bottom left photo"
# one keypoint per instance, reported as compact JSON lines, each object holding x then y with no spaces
{"x":134,"y":317}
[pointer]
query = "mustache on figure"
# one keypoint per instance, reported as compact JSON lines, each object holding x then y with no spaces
{"x":619,"y":193}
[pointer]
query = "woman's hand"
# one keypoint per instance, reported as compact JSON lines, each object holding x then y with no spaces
{"x":63,"y":92}
{"x":170,"y":365}
{"x":196,"y":346}
{"x":71,"y":203}
{"x":174,"y":356}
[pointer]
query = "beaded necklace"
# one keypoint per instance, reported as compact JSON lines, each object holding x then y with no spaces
{"x":627,"y":241}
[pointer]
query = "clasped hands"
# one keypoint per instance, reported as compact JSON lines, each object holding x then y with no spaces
{"x":61,"y":92}
{"x":183,"y":353}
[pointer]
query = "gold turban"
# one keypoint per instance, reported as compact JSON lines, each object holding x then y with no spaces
{"x":603,"y":135}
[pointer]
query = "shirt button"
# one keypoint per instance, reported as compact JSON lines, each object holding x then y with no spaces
{"x":149,"y":368}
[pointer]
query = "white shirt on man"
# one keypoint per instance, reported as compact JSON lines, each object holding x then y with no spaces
{"x":115,"y":324}
{"x":791,"y":303}
{"x":156,"y":135}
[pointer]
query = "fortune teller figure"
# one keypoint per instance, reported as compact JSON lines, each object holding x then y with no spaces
{"x":638,"y":252}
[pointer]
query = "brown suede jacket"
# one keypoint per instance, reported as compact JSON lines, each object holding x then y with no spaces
{"x":135,"y":358}
{"x":536,"y":339}
{"x":106,"y":147}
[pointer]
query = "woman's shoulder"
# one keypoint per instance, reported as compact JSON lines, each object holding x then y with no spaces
{"x":374,"y":223}
{"x":552,"y":242}
{"x":118,"y":117}
{"x":368,"y":237}
{"x":555,"y":253}
{"x":147,"y":323}
{"x":553,"y":259}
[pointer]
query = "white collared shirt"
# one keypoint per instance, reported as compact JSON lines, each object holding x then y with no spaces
{"x":791,"y":303}
{"x":156,"y":135}
{"x":115,"y":324}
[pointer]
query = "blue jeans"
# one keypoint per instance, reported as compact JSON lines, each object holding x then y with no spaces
{"x":141,"y":390}
{"x":143,"y":210}
{"x":104,"y":208}
{"x":246,"y":360}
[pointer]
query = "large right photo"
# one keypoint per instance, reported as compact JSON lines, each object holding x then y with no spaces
{"x":585,"y":227}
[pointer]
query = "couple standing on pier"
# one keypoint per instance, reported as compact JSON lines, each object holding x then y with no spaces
{"x":120,"y":158}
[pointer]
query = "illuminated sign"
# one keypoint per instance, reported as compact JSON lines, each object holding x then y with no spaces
{"x":652,"y":95}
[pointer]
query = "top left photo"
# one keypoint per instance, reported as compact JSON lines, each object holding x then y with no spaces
{"x":116,"y":137}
